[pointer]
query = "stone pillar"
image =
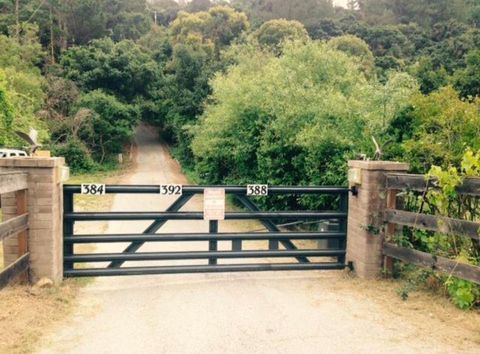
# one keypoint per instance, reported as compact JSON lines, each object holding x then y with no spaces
{"x":366,"y":227}
{"x":45,"y":208}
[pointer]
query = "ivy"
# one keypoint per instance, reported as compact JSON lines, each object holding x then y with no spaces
{"x":446,"y":201}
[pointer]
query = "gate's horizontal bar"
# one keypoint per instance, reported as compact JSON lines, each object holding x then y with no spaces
{"x":105,"y":238}
{"x":200,"y":269}
{"x":199,"y":215}
{"x":163,"y":256}
{"x":155,"y":189}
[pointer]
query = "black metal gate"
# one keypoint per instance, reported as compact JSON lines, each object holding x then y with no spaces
{"x":281,"y":241}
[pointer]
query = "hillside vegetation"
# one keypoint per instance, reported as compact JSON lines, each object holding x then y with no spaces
{"x":271,"y":91}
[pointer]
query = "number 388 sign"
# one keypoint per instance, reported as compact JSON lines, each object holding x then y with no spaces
{"x":257,"y":189}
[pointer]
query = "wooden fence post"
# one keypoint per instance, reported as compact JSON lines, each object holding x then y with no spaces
{"x":390,"y":231}
{"x":22,"y":208}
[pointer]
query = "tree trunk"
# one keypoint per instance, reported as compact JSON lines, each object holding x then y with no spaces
{"x":52,"y":43}
{"x":17,"y":19}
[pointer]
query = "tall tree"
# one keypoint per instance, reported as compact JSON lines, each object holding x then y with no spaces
{"x":305,"y":11}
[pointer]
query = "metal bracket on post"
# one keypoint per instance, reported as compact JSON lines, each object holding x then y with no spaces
{"x":354,"y":190}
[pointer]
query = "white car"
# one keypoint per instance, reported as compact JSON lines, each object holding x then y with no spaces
{"x":4,"y":153}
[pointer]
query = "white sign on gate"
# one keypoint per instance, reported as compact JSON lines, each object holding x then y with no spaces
{"x":214,"y":204}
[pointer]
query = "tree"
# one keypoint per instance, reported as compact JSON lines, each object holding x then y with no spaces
{"x":442,"y":126}
{"x":64,"y":23}
{"x":387,"y":41}
{"x":307,"y":12}
{"x":197,"y":40}
{"x":7,"y":112}
{"x":198,"y":5}
{"x":62,"y":95}
{"x":425,"y":13}
{"x":186,"y":88}
{"x":165,"y":11}
{"x":24,"y":53}
{"x":122,"y":68}
{"x":81,"y":21}
{"x":274,"y":33}
{"x":429,"y":77}
{"x":325,"y":29}
{"x":129,"y":25}
{"x":358,"y":49}
{"x":218,"y":27}
{"x":157,"y":43}
{"x":467,"y":81}
{"x":21,"y":85}
{"x":293,"y":119}
{"x":112,"y":125}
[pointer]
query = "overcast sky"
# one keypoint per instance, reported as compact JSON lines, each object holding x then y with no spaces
{"x":340,"y":2}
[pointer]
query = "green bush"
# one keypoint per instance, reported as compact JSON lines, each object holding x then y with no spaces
{"x":446,"y":202}
{"x":76,"y":155}
{"x":274,"y":33}
{"x":439,"y":128}
{"x":111,"y":127}
{"x":293,"y":119}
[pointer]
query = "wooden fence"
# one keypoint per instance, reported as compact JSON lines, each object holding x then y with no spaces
{"x":444,"y":225}
{"x":16,"y":182}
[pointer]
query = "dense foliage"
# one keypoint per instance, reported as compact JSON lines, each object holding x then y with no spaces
{"x":270,"y":115}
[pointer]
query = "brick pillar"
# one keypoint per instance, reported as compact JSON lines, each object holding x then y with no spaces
{"x":45,"y":208}
{"x":366,"y":226}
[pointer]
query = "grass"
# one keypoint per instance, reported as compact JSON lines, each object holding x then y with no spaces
{"x":430,"y":312}
{"x":27,"y":312}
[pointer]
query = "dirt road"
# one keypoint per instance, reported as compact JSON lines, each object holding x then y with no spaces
{"x":309,"y":312}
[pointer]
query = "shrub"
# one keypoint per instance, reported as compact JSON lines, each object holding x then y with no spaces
{"x":112,"y":125}
{"x":293,"y":119}
{"x":76,"y":155}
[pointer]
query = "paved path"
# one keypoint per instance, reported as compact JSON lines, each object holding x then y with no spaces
{"x":283,"y":312}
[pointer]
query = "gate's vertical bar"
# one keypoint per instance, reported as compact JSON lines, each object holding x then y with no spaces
{"x":68,"y":227}
{"x":236,"y":245}
{"x":343,"y":225}
{"x":213,"y":245}
{"x":273,"y":245}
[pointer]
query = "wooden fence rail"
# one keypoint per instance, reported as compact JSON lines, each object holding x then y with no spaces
{"x":401,"y":181}
{"x":16,"y":182}
{"x":393,"y":217}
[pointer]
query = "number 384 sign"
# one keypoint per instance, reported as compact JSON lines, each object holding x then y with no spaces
{"x":93,"y":189}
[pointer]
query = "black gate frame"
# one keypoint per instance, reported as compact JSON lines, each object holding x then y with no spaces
{"x":274,"y":235}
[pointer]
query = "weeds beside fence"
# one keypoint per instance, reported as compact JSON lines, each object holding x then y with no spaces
{"x":419,"y":233}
